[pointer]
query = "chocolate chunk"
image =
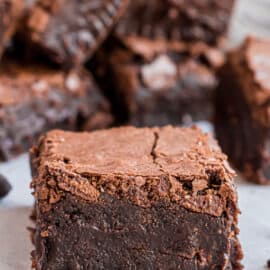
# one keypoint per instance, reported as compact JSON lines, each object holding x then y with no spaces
{"x":5,"y":187}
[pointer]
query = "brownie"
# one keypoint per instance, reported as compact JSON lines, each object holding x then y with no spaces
{"x":36,"y":98}
{"x":10,"y":13}
{"x":242,"y":109}
{"x":193,"y":20}
{"x":134,"y":198}
{"x":5,"y":187}
{"x":69,"y":31}
{"x":154,"y":83}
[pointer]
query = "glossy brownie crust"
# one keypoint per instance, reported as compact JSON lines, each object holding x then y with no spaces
{"x":155,"y":83}
{"x":69,"y":31}
{"x":36,"y":99}
{"x":242,"y":110}
{"x":152,"y":210}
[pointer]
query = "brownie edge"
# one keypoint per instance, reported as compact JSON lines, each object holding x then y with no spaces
{"x":242,"y":119}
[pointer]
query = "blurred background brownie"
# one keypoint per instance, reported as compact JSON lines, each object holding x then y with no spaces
{"x":36,"y":98}
{"x":69,"y":31}
{"x":190,"y":20}
{"x":158,"y":66}
{"x":10,"y":13}
{"x":243,"y":109}
{"x":153,"y":83}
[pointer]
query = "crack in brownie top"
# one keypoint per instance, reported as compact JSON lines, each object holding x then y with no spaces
{"x":129,"y":151}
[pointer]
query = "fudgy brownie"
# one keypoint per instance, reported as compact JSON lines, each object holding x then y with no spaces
{"x":37,"y":98}
{"x":69,"y":31}
{"x":129,"y":198}
{"x":154,"y":83}
{"x":10,"y":12}
{"x":192,"y":20}
{"x":242,"y":109}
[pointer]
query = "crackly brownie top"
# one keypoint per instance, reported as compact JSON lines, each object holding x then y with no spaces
{"x":183,"y":152}
{"x":141,"y":164}
{"x":176,"y":20}
{"x":70,"y":31}
{"x":251,"y":61}
{"x":20,"y":83}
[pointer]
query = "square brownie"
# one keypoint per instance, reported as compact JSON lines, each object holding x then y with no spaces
{"x":10,"y":13}
{"x":189,"y":20}
{"x":242,"y":109}
{"x":69,"y":31}
{"x":155,"y":83}
{"x":36,"y":98}
{"x":131,"y":198}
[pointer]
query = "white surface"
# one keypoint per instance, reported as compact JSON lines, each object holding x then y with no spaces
{"x":15,"y":244}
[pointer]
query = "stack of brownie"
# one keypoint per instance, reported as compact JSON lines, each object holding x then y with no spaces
{"x":127,"y":197}
{"x":158,"y":67}
{"x":153,"y":63}
{"x":43,"y":81}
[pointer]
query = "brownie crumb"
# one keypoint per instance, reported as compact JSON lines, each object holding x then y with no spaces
{"x":5,"y":187}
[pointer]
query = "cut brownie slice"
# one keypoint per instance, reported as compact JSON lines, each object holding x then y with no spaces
{"x":242,"y":109}
{"x":130,"y":198}
{"x":193,"y":20}
{"x":154,"y":83}
{"x":36,"y":98}
{"x":69,"y":31}
{"x":10,"y":12}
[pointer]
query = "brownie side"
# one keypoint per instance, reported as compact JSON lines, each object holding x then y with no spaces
{"x":10,"y":13}
{"x":68,"y":32}
{"x":194,"y":20}
{"x":36,"y":99}
{"x":157,"y":83}
{"x":116,"y":234}
{"x":241,"y":121}
{"x":161,"y":205}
